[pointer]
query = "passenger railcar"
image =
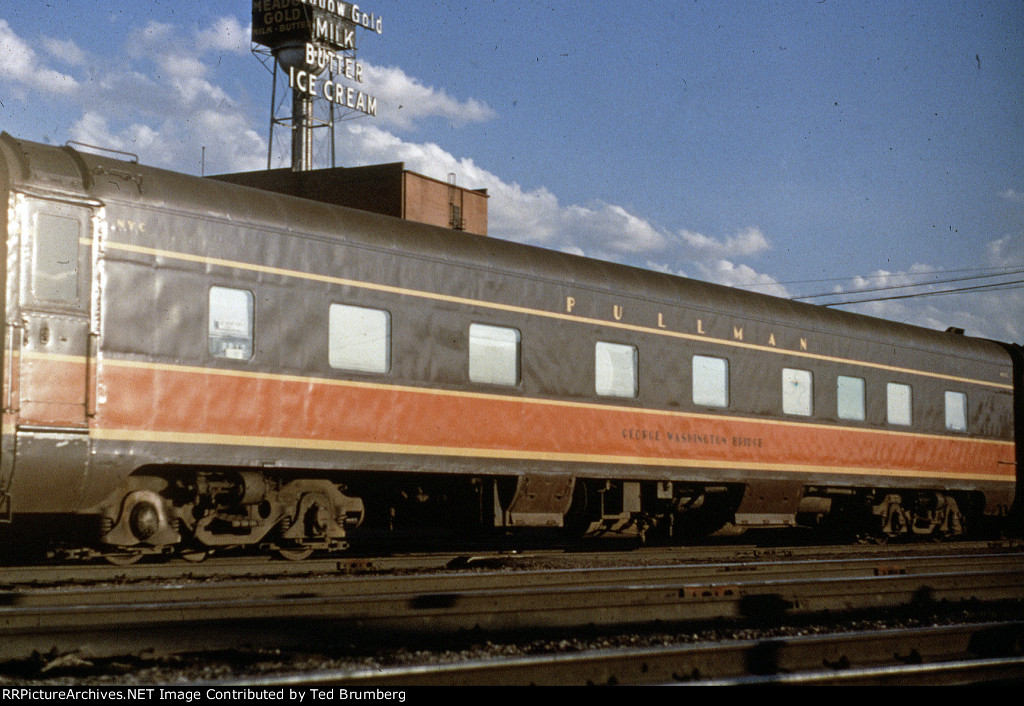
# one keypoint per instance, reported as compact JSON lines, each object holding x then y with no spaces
{"x":190,"y":364}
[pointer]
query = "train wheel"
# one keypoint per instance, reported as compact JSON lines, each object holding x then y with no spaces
{"x":123,"y":558}
{"x":194,"y":556}
{"x":295,"y":553}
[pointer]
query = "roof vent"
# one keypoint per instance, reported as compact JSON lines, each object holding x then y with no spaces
{"x":955,"y":329}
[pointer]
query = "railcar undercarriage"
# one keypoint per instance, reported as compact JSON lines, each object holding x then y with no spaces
{"x":191,"y":512}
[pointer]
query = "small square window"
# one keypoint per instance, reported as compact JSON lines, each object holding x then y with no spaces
{"x":231,"y":323}
{"x":359,"y":339}
{"x":850,"y":398}
{"x":899,"y":404}
{"x":956,"y":411}
{"x":615,"y":370}
{"x":797,"y":392}
{"x":710,"y":381}
{"x":494,"y":355}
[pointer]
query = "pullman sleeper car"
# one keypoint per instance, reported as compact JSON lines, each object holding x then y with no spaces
{"x":191,"y":365}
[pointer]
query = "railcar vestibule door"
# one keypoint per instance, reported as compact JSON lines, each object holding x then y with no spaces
{"x":48,"y":366}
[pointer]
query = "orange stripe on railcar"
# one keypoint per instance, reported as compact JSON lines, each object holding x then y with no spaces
{"x":183,"y":404}
{"x":52,"y":390}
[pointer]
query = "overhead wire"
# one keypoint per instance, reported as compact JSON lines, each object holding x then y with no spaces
{"x":865,"y":277}
{"x":1005,"y":273}
{"x":993,"y":287}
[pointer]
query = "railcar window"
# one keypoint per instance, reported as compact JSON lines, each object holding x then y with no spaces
{"x":55,"y":273}
{"x":850,"y":398}
{"x":710,"y":381}
{"x":615,"y":370}
{"x":797,"y":392}
{"x":359,"y":339}
{"x":899,"y":404}
{"x":956,"y":411}
{"x":494,"y":354}
{"x":231,"y":323}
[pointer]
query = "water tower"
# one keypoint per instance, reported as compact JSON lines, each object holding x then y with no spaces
{"x":309,"y":47}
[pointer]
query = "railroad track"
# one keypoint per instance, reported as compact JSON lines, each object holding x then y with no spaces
{"x":956,"y":654}
{"x":727,"y":556}
{"x":190,"y":613}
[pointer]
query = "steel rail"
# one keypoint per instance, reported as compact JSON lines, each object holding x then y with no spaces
{"x":887,"y":557}
{"x":192,"y":616}
{"x":701,"y":579}
{"x":932,"y":655}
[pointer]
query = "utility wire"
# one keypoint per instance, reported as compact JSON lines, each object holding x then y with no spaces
{"x":908,"y":286}
{"x":879,"y":276}
{"x":994,"y":287}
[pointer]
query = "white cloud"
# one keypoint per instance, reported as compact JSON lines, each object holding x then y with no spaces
{"x":225,"y":34}
{"x":1012,"y":195}
{"x":187,"y":76}
{"x":222,"y":140}
{"x":602,"y":230}
{"x":998,"y":315}
{"x":918,"y":274}
{"x":231,"y":143}
{"x":160,"y":102}
{"x":1007,"y":251}
{"x":92,"y":129}
{"x":516,"y":213}
{"x":994,"y":315}
{"x":745,"y":243}
{"x":733,"y":275}
{"x":403,"y":100}
{"x":156,"y":103}
{"x":609,"y":228}
{"x":155,"y":37}
{"x":1002,"y":312}
{"x":65,"y":50}
{"x":20,"y":64}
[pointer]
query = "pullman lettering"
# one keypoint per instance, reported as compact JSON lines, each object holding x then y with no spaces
{"x":723,"y":331}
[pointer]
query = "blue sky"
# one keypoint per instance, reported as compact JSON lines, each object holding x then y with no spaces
{"x":763,"y":144}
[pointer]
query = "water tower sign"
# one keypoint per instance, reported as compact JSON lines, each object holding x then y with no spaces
{"x":307,"y":38}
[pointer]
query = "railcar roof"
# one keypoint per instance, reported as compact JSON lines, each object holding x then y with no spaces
{"x":33,"y":166}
